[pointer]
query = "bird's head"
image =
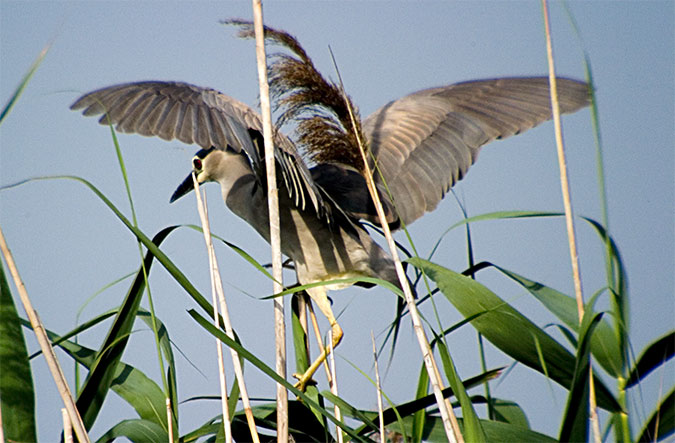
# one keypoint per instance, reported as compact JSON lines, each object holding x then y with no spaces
{"x":204,"y":164}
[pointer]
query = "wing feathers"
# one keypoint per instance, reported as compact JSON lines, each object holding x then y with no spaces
{"x":191,"y":114}
{"x":425,"y":142}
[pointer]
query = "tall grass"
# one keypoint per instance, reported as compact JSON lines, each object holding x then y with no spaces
{"x":604,"y":337}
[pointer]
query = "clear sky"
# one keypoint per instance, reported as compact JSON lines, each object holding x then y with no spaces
{"x":68,"y":245}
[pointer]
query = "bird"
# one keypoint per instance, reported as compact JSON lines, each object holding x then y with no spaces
{"x":420,"y":145}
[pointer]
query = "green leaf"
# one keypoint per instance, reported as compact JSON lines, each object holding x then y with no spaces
{"x":135,"y":430}
{"x":656,"y":354}
{"x":211,"y":427}
{"x":167,"y":351}
{"x":24,"y":81}
{"x":243,"y":254}
{"x":616,"y":277}
{"x":142,"y":393}
{"x":138,"y":390}
{"x":508,"y":411}
{"x":170,"y":267}
{"x":390,"y":415}
{"x":494,"y":430}
{"x":233,"y":397}
{"x":299,"y":336}
{"x":103,"y":371}
{"x":576,"y":416}
{"x":604,"y":346}
{"x":500,"y":215}
{"x":58,"y":339}
{"x":661,"y":424}
{"x":247,"y":355}
{"x":338,"y":281}
{"x":420,"y":415}
{"x":346,"y":408}
{"x":302,"y":423}
{"x":500,"y":432}
{"x":616,"y":273}
{"x":472,"y":429}
{"x":17,"y":398}
{"x":508,"y":329}
{"x":97,"y":384}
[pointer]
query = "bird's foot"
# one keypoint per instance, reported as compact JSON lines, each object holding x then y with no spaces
{"x":304,"y":380}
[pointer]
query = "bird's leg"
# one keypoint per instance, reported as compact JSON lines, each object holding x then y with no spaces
{"x":321,"y":299}
{"x":319,"y":342}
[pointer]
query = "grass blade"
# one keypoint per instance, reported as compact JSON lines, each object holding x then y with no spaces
{"x":577,"y":413}
{"x":101,"y":375}
{"x":243,"y":254}
{"x":366,"y":417}
{"x":135,"y":430}
{"x":299,"y":336}
{"x":58,"y":339}
{"x":16,"y":382}
{"x":494,"y":430}
{"x":24,"y":81}
{"x":656,"y":354}
{"x":211,"y":427}
{"x":410,"y":408}
{"x":303,"y":424}
{"x":162,"y":336}
{"x":604,"y":345}
{"x":508,"y":329}
{"x":421,"y":415}
{"x":472,"y":430}
{"x":350,"y":280}
{"x":661,"y":424}
{"x":171,"y":268}
{"x":142,"y":394}
{"x":247,"y":355}
{"x":508,"y":411}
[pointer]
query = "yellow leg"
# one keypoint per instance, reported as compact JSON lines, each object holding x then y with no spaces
{"x":319,"y":342}
{"x":321,"y":299}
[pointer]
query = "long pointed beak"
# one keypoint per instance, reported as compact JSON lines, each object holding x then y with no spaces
{"x":183,"y":188}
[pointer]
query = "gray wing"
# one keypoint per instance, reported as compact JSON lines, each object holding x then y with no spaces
{"x":425,"y":142}
{"x":206,"y":117}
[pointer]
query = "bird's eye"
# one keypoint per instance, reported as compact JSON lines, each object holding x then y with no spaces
{"x":197,"y":163}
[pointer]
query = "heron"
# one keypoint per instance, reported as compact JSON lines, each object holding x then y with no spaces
{"x":420,"y":145}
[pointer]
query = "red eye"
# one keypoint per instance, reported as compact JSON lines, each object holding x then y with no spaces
{"x":197,"y":163}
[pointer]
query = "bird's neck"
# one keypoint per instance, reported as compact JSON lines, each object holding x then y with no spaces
{"x":233,"y":171}
{"x":241,"y":190}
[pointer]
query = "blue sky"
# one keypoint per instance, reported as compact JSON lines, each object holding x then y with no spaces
{"x":68,"y":245}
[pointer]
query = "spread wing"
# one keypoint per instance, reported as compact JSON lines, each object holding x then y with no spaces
{"x":425,"y":142}
{"x":206,"y":117}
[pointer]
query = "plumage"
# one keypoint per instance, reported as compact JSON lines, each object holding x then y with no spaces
{"x":454,"y":122}
{"x":421,"y":144}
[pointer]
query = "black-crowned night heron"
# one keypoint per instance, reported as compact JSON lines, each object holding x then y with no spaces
{"x":422,"y":144}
